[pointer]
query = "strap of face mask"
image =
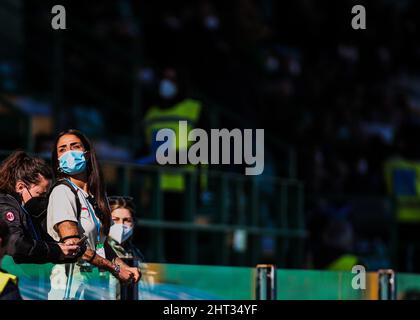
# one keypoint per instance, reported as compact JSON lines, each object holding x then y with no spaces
{"x":27,"y":189}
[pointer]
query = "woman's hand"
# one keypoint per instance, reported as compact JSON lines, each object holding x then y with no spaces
{"x":68,"y":250}
{"x":135,"y":272}
{"x":125,"y":275}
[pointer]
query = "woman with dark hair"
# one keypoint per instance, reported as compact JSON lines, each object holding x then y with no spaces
{"x":123,"y":212}
{"x":83,"y":211}
{"x":24,"y":180}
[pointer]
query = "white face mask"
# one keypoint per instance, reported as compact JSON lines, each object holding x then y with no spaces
{"x":120,"y":232}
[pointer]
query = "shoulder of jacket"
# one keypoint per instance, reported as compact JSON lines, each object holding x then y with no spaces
{"x":8,"y":200}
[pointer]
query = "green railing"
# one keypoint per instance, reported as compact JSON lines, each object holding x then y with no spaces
{"x":372,"y":217}
{"x":227,"y":206}
{"x":231,"y":219}
{"x":179,"y":282}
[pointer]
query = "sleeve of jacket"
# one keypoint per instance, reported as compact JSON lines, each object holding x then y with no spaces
{"x":22,"y":247}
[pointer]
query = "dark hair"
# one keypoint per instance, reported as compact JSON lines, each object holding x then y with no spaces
{"x":4,"y":233}
{"x":122,"y":202}
{"x":95,"y":180}
{"x":21,"y":166}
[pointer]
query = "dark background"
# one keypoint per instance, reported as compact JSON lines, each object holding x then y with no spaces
{"x":345,"y":101}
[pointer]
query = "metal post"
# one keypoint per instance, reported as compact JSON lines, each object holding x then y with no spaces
{"x":57,"y":83}
{"x":223,"y":197}
{"x":301,"y":206}
{"x":125,"y":181}
{"x":283,"y":241}
{"x":241,"y":221}
{"x":30,"y":139}
{"x":157,"y":201}
{"x":394,"y":243}
{"x":292,"y":163}
{"x":70,"y":268}
{"x":129,"y":291}
{"x":257,"y":239}
{"x":266,"y":282}
{"x":387,"y":284}
{"x":190,"y":211}
{"x":299,"y":225}
{"x":136,"y":109}
{"x":137,"y":58}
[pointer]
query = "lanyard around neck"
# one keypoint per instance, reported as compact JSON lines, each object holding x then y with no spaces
{"x":92,"y":213}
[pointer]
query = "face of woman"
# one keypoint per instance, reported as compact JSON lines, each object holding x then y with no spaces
{"x":38,"y":189}
{"x":69,"y":142}
{"x":122,"y":215}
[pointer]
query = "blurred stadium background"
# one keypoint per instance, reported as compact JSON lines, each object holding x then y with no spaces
{"x":340,"y":109}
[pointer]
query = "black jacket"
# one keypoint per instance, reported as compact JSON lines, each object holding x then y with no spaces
{"x":27,"y":243}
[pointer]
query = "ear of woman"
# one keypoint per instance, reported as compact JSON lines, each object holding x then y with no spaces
{"x":20,"y":186}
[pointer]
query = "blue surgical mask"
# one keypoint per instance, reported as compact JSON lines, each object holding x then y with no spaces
{"x":72,"y":162}
{"x":167,"y":89}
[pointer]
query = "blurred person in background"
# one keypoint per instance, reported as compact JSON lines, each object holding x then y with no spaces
{"x":9,"y":289}
{"x":74,"y":160}
{"x":24,"y":185}
{"x":121,"y":232}
{"x":402,"y":174}
{"x":335,"y":252}
{"x":120,"y":237}
{"x":173,"y":106}
{"x":223,"y":61}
